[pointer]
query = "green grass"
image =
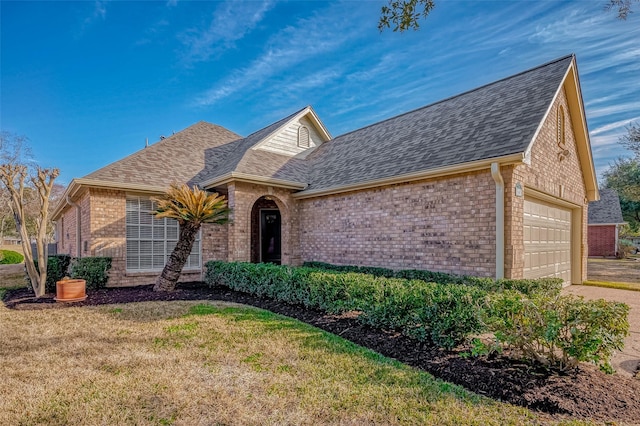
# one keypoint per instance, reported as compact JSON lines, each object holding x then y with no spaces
{"x":609,"y":284}
{"x":214,"y":363}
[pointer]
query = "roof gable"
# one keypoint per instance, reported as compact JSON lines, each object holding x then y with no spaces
{"x":271,"y":153}
{"x":571,"y":86}
{"x":495,"y":121}
{"x":286,"y":138}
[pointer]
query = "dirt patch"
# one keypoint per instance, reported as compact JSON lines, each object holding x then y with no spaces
{"x":614,"y":270}
{"x":583,"y":393}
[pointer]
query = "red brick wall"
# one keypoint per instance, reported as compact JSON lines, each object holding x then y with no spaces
{"x":602,"y":240}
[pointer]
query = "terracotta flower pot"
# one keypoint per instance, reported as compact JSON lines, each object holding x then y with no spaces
{"x":71,"y":290}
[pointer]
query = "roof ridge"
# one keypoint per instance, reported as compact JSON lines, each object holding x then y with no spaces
{"x":572,"y":55}
{"x":278,"y":121}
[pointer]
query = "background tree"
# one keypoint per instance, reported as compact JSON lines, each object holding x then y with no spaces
{"x":623,"y":7}
{"x":21,"y":183}
{"x":624,"y":177}
{"x":631,"y":140}
{"x":404,"y":15}
{"x":7,"y":226}
{"x":191,"y":208}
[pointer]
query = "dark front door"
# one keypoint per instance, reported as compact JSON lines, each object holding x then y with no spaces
{"x":270,"y":236}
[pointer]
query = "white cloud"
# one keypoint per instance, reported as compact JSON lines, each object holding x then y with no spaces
{"x":231,"y":21}
{"x":99,"y":13}
{"x":304,"y":40}
{"x":614,"y":126}
{"x":630,"y":107}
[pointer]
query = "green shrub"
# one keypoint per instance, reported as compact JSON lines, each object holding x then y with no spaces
{"x":444,"y":314}
{"x":57,"y":268}
{"x":10,"y":257}
{"x":529,"y":316}
{"x":371,"y":270}
{"x":625,"y":249}
{"x":553,"y":285}
{"x":556,"y":330}
{"x":92,"y":269}
{"x":453,"y":314}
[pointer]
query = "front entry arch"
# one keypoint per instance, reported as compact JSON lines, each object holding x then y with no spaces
{"x":266,"y":232}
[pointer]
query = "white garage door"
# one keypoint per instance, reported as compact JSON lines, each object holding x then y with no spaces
{"x":547,"y":240}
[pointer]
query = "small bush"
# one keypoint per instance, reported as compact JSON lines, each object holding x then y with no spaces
{"x":92,"y":269}
{"x":558,"y":331}
{"x":57,"y":267}
{"x":625,"y":249}
{"x":10,"y":257}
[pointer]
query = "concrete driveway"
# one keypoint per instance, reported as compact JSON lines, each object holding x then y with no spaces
{"x":626,"y":362}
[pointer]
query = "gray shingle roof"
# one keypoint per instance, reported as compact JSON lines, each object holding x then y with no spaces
{"x":492,"y":121}
{"x":495,"y":120}
{"x":177,"y":158}
{"x":607,"y":210}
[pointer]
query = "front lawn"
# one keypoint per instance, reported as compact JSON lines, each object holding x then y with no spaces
{"x":189,"y":362}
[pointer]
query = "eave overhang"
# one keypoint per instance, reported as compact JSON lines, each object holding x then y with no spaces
{"x":472,"y":166}
{"x":255,"y":179}
{"x":79,"y":184}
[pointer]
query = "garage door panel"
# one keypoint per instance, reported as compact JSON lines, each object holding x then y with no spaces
{"x":547,"y":240}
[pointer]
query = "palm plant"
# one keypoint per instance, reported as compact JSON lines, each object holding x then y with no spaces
{"x":191,"y":207}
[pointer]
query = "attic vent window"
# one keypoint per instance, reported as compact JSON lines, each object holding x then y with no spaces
{"x":562,"y":143}
{"x":304,"y":141}
{"x":561,"y":131}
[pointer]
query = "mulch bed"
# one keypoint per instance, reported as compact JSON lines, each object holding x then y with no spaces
{"x":583,"y":393}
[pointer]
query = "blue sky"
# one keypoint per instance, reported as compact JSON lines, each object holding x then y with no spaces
{"x":89,"y":81}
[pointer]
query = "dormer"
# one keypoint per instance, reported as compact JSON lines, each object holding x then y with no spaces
{"x":298,"y":137}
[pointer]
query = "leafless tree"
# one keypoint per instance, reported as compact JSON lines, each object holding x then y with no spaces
{"x":19,"y":181}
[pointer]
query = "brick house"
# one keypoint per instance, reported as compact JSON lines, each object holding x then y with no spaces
{"x":492,"y":182}
{"x":605,"y":219}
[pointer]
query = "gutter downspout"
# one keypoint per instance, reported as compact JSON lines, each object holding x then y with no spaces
{"x":78,"y":226}
{"x":497,"y":177}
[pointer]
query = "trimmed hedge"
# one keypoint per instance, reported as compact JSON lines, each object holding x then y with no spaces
{"x":444,"y":314}
{"x":10,"y":257}
{"x":529,"y":316}
{"x":92,"y":269}
{"x":544,"y":285}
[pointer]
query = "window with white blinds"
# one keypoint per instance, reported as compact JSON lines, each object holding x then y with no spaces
{"x":150,"y":241}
